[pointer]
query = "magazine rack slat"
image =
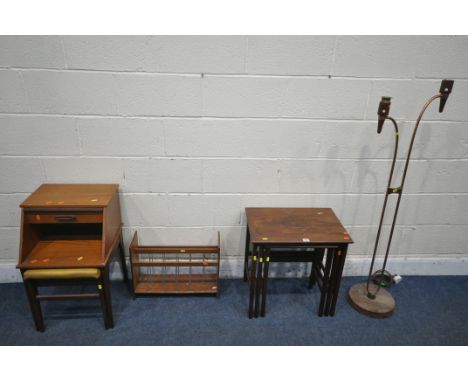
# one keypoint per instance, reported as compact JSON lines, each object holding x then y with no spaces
{"x":174,"y":269}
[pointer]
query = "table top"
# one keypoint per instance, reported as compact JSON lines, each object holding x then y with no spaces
{"x":295,"y":226}
{"x":71,"y":196}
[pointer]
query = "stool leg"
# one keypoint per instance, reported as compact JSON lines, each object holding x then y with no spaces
{"x":123,"y":263}
{"x":31,"y":292}
{"x":106,"y":298}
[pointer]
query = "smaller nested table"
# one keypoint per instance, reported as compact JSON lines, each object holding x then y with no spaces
{"x":312,"y":235}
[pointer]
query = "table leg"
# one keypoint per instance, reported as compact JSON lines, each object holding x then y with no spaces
{"x":246,"y":254}
{"x":252,"y":280}
{"x":259,"y":281}
{"x":266,"y":265}
{"x":317,"y":258}
{"x":339,"y":273}
{"x":325,"y":281}
{"x":331,"y":281}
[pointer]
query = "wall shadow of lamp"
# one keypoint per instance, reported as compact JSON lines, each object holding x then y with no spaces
{"x":370,"y":298}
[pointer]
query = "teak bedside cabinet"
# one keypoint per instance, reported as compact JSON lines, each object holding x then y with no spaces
{"x":69,"y":233}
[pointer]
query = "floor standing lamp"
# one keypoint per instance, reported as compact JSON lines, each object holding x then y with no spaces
{"x":370,"y":298}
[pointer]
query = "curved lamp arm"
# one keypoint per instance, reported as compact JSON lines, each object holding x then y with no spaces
{"x":384,"y":109}
{"x":384,"y":106}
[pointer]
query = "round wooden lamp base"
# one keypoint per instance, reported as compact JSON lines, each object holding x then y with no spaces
{"x":381,"y":306}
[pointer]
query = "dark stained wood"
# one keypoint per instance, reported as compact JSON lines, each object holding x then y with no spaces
{"x":70,"y":226}
{"x":31,"y":292}
{"x":68,"y":296}
{"x":246,"y":251}
{"x":266,"y":265}
{"x":219,"y":263}
{"x":252,"y":280}
{"x":259,"y":282}
{"x":295,"y":235}
{"x":316,"y":263}
{"x":295,"y":225}
{"x":105,"y":287}
{"x":325,"y":283}
{"x":338,"y":274}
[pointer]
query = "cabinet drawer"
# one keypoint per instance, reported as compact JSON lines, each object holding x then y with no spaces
{"x":62,"y":217}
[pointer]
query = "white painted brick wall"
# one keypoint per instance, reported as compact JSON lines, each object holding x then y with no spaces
{"x":104,"y":136}
{"x":196,"y":128}
{"x":167,"y":54}
{"x":291,"y":97}
{"x":31,"y":52}
{"x":286,"y":55}
{"x":35,"y":135}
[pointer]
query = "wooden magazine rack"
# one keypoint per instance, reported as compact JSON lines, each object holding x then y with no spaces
{"x":174,"y":269}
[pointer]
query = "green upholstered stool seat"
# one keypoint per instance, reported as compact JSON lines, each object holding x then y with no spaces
{"x":68,"y":273}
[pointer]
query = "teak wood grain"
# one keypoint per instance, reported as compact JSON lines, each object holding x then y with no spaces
{"x":69,"y":226}
{"x":295,"y":225}
{"x":71,"y":195}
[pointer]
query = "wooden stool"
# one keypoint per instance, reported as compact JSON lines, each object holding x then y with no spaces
{"x":34,"y":278}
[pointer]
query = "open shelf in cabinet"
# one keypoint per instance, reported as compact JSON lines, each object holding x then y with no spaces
{"x":61,"y":245}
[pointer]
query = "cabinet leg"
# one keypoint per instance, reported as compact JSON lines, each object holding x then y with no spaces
{"x":31,"y":292}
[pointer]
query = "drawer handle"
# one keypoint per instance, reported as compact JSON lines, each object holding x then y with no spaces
{"x":65,"y":218}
